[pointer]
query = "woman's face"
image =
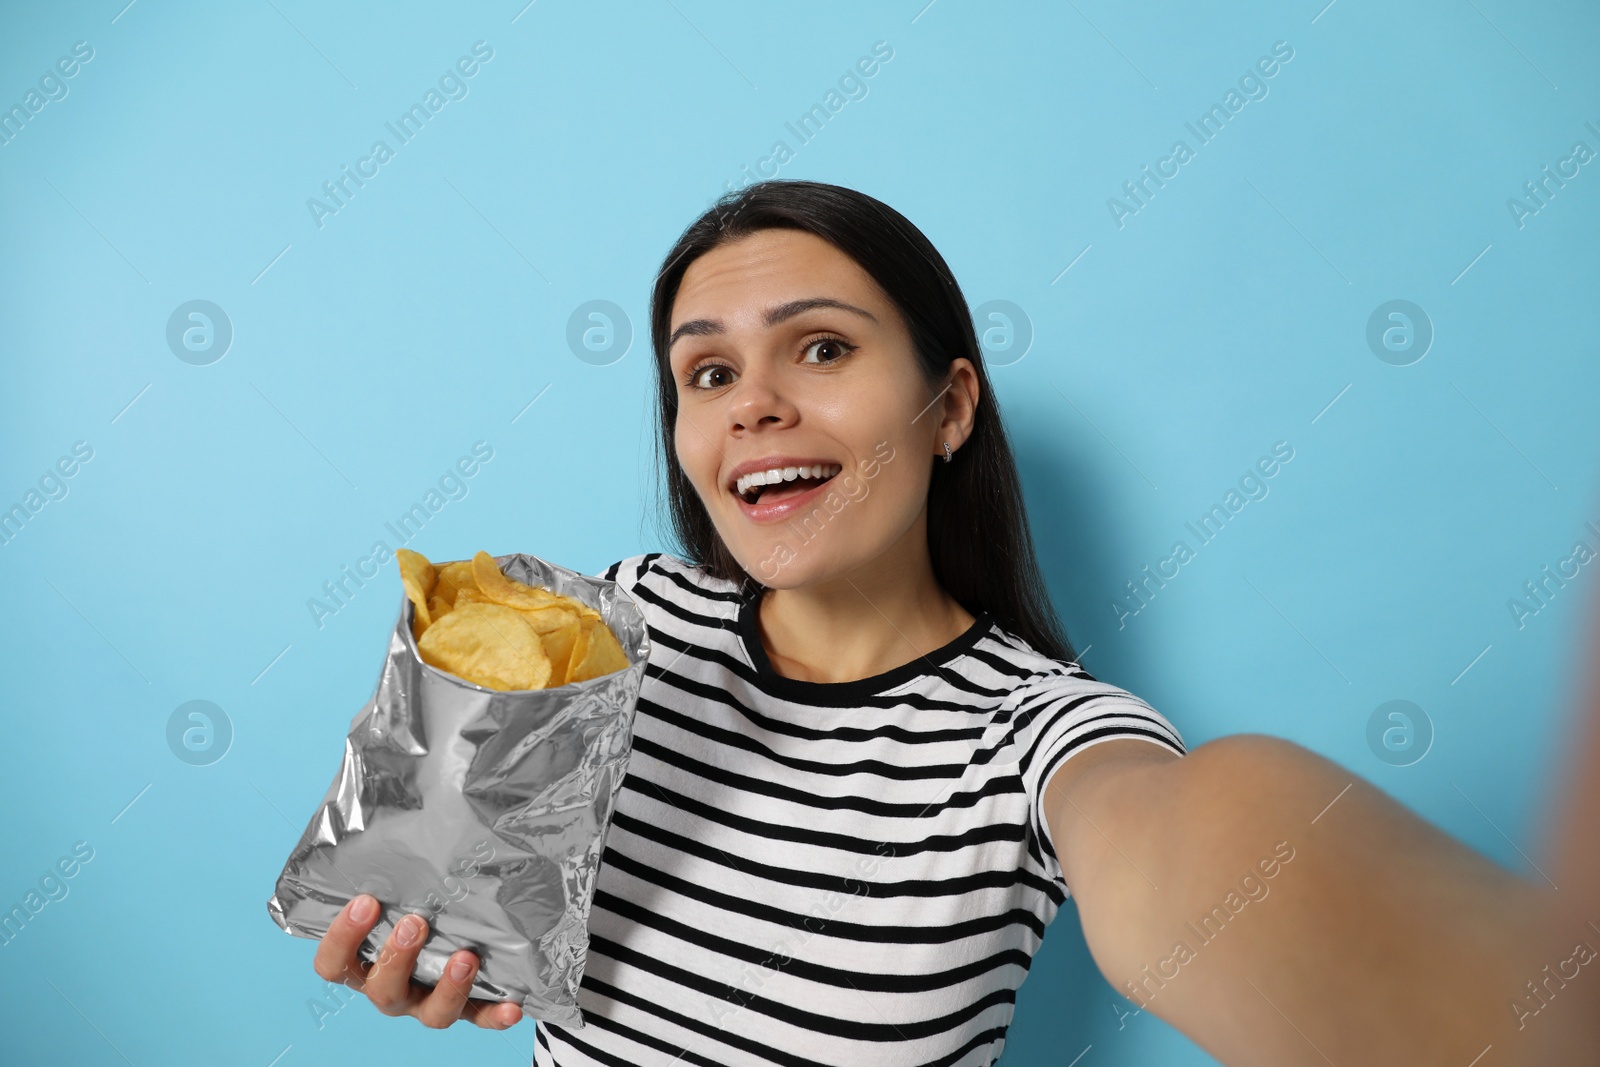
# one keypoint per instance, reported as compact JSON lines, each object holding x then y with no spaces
{"x":788,"y":357}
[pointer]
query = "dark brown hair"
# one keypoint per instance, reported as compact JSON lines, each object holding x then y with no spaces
{"x":977,"y":526}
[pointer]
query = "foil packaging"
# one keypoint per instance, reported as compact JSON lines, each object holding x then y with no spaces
{"x":484,"y":811}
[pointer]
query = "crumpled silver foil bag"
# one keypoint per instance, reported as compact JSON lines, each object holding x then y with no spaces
{"x":484,"y":811}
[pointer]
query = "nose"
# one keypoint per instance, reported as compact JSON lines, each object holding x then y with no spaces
{"x":756,"y":401}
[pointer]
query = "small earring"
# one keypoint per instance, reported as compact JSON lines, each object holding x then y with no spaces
{"x":947,"y":456}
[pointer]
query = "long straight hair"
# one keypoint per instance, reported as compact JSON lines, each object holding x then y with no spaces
{"x":978,"y":536}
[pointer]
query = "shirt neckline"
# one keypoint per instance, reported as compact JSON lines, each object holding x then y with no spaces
{"x":843,"y":693}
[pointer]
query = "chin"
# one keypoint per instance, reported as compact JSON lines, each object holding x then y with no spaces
{"x":794,"y":575}
{"x":787,"y":563}
{"x":776,"y":566}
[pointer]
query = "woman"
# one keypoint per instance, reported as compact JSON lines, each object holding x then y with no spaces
{"x":867,"y":766}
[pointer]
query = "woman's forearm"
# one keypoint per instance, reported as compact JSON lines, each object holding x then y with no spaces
{"x":1280,"y":910}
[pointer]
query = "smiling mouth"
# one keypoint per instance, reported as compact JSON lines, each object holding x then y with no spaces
{"x":787,"y":481}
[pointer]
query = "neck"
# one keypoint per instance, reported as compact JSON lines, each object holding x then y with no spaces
{"x":882,"y":615}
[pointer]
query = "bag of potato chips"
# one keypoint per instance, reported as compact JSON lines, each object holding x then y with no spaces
{"x":479,"y":781}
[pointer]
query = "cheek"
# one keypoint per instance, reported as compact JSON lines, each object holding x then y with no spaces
{"x":903,"y":481}
{"x":696,"y":455}
{"x":898,"y":488}
{"x":890,"y":501}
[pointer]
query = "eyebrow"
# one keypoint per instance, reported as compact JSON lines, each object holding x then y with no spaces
{"x":774,"y":315}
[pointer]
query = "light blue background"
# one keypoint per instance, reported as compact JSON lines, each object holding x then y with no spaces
{"x":368,"y":354}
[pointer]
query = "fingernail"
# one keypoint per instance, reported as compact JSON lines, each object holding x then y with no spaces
{"x":409,"y":930}
{"x":459,"y":968}
{"x":363,"y":908}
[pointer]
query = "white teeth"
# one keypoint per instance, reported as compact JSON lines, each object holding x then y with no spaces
{"x":784,"y":474}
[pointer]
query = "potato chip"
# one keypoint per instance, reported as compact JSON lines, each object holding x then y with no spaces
{"x":577,"y":607}
{"x":502,"y":590}
{"x":488,"y":644}
{"x":452,"y":578}
{"x":417,"y":576}
{"x":414,"y":567}
{"x":545,"y":620}
{"x":471,"y":594}
{"x":502,"y":633}
{"x":558,"y":645}
{"x":595,"y":653}
{"x":580,"y":648}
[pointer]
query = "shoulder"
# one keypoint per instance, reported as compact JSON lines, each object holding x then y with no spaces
{"x":1067,"y":682}
{"x":1058,"y":709}
{"x":1065,"y":721}
{"x":626,"y":572}
{"x":1048,"y":689}
{"x":659,"y":578}
{"x":1063,"y":709}
{"x":633,"y":568}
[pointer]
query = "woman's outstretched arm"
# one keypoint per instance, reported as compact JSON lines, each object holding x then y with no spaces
{"x":1279,"y":909}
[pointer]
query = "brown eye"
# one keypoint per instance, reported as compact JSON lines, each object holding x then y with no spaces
{"x":839,"y":347}
{"x":711,"y":376}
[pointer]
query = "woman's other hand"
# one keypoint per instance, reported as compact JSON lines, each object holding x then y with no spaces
{"x":387,"y":982}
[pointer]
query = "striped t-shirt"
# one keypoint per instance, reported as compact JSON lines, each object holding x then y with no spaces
{"x":825,"y":872}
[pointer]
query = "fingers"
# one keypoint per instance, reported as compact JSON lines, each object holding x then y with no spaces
{"x":336,"y":959}
{"x":388,"y":982}
{"x":443,"y":1005}
{"x":448,"y":1003}
{"x":493,"y":1015}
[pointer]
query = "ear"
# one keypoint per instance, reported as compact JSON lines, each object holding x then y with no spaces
{"x":958,"y":406}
